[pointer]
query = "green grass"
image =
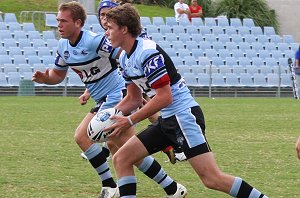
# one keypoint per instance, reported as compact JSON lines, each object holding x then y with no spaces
{"x":17,"y":6}
{"x":251,"y":137}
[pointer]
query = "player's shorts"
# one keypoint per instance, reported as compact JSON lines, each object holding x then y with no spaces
{"x":185,"y":129}
{"x":109,"y":101}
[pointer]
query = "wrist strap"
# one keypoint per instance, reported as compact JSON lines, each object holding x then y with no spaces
{"x":130,"y":121}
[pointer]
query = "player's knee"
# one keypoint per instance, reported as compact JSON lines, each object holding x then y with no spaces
{"x":79,"y":135}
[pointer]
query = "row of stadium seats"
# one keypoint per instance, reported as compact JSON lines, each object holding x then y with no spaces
{"x":21,"y":34}
{"x":234,"y":80}
{"x":200,"y":79}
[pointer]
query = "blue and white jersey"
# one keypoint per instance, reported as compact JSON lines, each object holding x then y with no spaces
{"x":93,"y":59}
{"x":149,"y":67}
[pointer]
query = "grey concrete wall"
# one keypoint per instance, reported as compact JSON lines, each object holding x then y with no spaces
{"x":287,"y":12}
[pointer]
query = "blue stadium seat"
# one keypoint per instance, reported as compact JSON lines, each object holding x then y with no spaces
{"x":47,"y":34}
{"x":230,"y":30}
{"x":197,"y":37}
{"x":10,"y":18}
{"x":210,"y":38}
{"x":14,"y":51}
{"x":248,"y":22}
{"x":217,"y":30}
{"x":19,"y":34}
{"x":151,"y":29}
{"x":5,"y":34}
{"x":223,"y":53}
{"x":257,"y":61}
{"x":184,"y":37}
{"x":217,"y":80}
{"x":191,"y":45}
{"x":250,"y":53}
{"x":3,"y":80}
{"x":171,"y":37}
{"x":250,"y":38}
{"x":205,"y":45}
{"x":51,"y":43}
{"x":197,"y":22}
{"x":256,"y":46}
{"x":244,"y":61}
{"x":273,"y":80}
{"x":171,"y":52}
{"x":222,"y":21}
{"x":243,"y":30}
{"x":5,"y":59}
{"x":288,"y":38}
{"x":190,"y":60}
{"x":190,"y":79}
{"x":13,"y":78}
{"x":183,"y":53}
{"x":217,"y":61}
{"x":171,"y":21}
{"x":218,"y":45}
{"x":237,"y":69}
{"x":28,"y":27}
{"x":34,"y":35}
{"x":235,"y":22}
{"x":33,"y":59}
{"x":259,"y":80}
{"x":92,"y":19}
{"x":197,"y":53}
{"x":275,"y":39}
{"x":231,"y":45}
{"x":177,"y":29}
{"x":14,"y":27}
{"x":163,"y":29}
{"x":184,"y":22}
{"x":191,"y":29}
{"x":19,"y":59}
{"x":205,"y":30}
{"x":269,"y":30}
{"x":203,"y":79}
{"x":230,"y":61}
{"x":24,"y":43}
{"x":27,"y":51}
{"x":211,"y":53}
{"x":50,"y":20}
{"x":263,"y":38}
{"x":256,"y":30}
{"x":210,"y":21}
{"x":176,"y":44}
{"x":157,"y":37}
{"x":246,"y":80}
{"x":263,"y":54}
{"x":232,"y":80}
{"x":158,"y":21}
{"x":223,"y":38}
{"x":145,"y":21}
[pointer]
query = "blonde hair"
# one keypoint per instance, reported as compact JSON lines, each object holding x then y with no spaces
{"x":76,"y":9}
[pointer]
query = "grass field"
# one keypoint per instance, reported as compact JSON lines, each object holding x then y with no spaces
{"x":251,"y":137}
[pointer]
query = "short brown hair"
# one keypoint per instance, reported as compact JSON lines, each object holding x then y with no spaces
{"x":76,"y":9}
{"x":126,"y":16}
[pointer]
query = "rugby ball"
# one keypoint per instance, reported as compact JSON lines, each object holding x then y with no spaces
{"x":100,"y":121}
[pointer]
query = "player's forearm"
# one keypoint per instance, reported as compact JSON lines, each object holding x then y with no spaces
{"x":55,"y":77}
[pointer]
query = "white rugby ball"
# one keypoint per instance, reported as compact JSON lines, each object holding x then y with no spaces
{"x":100,"y":121}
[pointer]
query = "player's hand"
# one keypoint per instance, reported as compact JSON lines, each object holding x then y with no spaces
{"x":297,"y":146}
{"x":122,"y":124}
{"x":40,"y":77}
{"x":84,"y":98}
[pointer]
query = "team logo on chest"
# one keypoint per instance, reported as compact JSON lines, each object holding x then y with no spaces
{"x":66,"y":54}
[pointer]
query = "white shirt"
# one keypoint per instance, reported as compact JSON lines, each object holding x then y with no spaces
{"x":182,"y":6}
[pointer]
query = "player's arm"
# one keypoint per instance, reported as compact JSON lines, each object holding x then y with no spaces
{"x":50,"y":76}
{"x":131,"y":101}
{"x":162,"y":98}
{"x":183,"y":11}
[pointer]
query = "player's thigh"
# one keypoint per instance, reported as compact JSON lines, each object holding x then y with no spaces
{"x":122,"y":138}
{"x":82,"y":127}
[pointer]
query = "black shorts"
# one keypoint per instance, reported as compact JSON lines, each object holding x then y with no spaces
{"x":168,"y":131}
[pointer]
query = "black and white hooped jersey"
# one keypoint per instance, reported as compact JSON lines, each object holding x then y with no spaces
{"x":149,"y":67}
{"x":93,"y":59}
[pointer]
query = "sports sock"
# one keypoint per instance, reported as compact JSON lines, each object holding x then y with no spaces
{"x":98,"y":160}
{"x":153,"y":170}
{"x":242,"y":189}
{"x":127,"y":186}
{"x":105,"y":150}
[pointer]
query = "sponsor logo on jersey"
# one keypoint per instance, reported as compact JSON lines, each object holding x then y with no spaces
{"x":83,"y":52}
{"x":153,"y":64}
{"x":75,"y":52}
{"x":103,"y":116}
{"x":66,"y":54}
{"x":106,"y":46}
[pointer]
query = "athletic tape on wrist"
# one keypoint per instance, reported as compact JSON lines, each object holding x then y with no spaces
{"x":130,"y":121}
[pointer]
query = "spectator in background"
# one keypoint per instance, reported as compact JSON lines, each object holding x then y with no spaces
{"x":181,"y":10}
{"x":195,"y":9}
{"x":298,"y":148}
